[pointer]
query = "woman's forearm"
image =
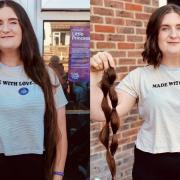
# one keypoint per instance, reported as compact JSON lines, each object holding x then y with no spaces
{"x":61,"y":154}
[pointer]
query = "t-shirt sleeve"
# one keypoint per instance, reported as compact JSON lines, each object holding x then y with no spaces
{"x":59,"y":96}
{"x":130,"y":83}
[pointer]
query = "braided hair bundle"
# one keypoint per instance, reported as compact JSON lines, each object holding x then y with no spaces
{"x":112,"y":119}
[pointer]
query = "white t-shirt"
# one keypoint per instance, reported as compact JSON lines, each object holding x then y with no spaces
{"x":22,"y":108}
{"x":158,"y":91}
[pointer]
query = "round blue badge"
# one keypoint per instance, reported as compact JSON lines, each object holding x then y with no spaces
{"x":23,"y":91}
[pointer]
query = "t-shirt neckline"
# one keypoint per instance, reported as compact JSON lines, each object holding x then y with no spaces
{"x":165,"y":67}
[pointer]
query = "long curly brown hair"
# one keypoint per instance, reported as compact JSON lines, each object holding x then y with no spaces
{"x":112,"y":119}
{"x":35,"y":69}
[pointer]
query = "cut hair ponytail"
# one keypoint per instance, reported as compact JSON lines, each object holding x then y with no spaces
{"x":112,"y":119}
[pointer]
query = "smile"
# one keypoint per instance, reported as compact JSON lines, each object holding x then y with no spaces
{"x":173,"y":42}
{"x":7,"y":36}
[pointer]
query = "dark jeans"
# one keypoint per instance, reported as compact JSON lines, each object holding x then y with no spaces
{"x":22,"y":167}
{"x":162,"y":166}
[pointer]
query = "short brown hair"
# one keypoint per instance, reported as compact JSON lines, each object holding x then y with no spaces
{"x":152,"y":53}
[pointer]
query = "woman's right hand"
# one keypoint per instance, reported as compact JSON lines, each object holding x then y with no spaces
{"x":101,"y":61}
{"x":98,"y":64}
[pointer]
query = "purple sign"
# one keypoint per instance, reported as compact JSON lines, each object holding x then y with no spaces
{"x":79,"y":54}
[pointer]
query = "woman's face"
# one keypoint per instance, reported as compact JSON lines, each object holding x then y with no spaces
{"x":10,"y":30}
{"x":169,"y":34}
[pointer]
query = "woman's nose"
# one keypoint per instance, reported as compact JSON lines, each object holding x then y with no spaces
{"x":173,"y":33}
{"x":4,"y":28}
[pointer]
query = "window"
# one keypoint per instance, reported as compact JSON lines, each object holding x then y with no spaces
{"x":56,"y":54}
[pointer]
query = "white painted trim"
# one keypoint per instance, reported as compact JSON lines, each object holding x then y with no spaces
{"x":65,"y":4}
{"x":162,"y":2}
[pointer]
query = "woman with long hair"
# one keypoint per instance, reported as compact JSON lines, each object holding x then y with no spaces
{"x":33,"y":140}
{"x":156,"y":89}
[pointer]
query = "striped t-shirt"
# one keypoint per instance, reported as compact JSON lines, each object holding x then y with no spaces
{"x":22,"y":108}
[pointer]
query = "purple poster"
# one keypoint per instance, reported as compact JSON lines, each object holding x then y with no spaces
{"x":79,"y":54}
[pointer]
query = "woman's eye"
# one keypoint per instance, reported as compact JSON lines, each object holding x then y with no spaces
{"x":164,"y":28}
{"x":13,"y":22}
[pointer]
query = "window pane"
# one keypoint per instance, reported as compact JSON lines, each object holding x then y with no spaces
{"x":56,"y":55}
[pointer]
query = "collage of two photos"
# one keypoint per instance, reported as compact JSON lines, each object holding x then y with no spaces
{"x":89,"y":90}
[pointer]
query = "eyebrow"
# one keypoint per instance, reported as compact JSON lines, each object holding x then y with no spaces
{"x":167,"y":25}
{"x":11,"y":19}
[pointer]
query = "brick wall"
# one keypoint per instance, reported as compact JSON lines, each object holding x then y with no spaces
{"x":118,"y":26}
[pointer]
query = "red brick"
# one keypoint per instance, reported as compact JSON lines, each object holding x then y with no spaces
{"x":105,"y":45}
{"x":134,"y":38}
{"x":134,"y":53}
{"x":130,"y":22}
{"x":113,"y":4}
{"x":143,"y":1}
{"x":148,"y":9}
{"x":95,"y":135}
{"x":125,"y":30}
{"x":124,"y":141}
{"x":112,"y":37}
{"x":124,"y":14}
{"x":140,"y":62}
{"x":132,"y":68}
{"x":126,"y":45}
{"x":121,"y":76}
{"x":118,"y":53}
{"x":93,"y":52}
{"x":103,"y":11}
{"x":128,"y":146}
{"x":133,"y":7}
{"x":115,"y":21}
{"x":96,"y":19}
{"x":142,"y":16}
{"x":95,"y":2}
{"x":122,"y":69}
{"x":97,"y":37}
{"x":102,"y":28}
{"x":130,"y":119}
{"x":94,"y":142}
{"x":94,"y":126}
{"x":140,"y":45}
{"x":140,"y":31}
{"x":126,"y":61}
{"x":129,"y":132}
{"x":99,"y":148}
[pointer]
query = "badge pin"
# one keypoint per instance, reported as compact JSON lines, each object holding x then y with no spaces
{"x":23,"y":91}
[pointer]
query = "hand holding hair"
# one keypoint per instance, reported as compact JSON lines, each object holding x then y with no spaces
{"x":98,"y":64}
